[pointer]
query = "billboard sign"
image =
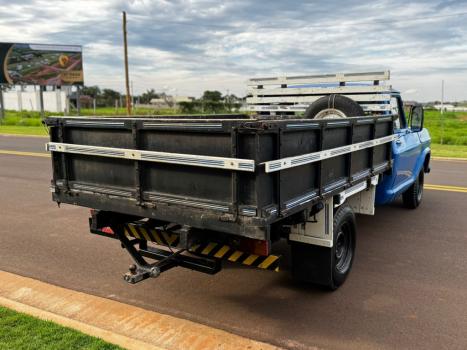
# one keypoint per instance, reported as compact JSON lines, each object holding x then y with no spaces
{"x":34,"y":64}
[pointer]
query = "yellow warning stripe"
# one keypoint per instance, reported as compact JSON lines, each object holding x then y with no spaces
{"x":134,"y":232}
{"x":234,"y":257}
{"x":212,"y":249}
{"x":268,"y":261}
{"x":221,"y":252}
{"x":250,"y":260}
{"x":156,"y":237}
{"x":144,"y":233}
{"x":209,"y":248}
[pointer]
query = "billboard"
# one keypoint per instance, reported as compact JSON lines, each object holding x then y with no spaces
{"x":35,"y":64}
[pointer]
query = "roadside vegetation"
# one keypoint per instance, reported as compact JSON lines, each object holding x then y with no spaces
{"x":448,"y":133}
{"x":19,"y":331}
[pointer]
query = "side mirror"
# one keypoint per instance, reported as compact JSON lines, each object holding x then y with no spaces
{"x":416,"y":118}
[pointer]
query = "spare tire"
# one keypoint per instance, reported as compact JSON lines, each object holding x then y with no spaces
{"x":333,"y":106}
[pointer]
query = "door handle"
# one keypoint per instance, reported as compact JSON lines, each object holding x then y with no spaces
{"x":399,"y":140}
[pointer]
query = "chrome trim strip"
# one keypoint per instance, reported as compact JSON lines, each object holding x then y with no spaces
{"x":250,"y":211}
{"x":197,"y":204}
{"x":302,"y":126}
{"x":300,"y":200}
{"x":152,"y":156}
{"x":184,"y":125}
{"x":96,"y":189}
{"x":93,"y":123}
{"x":291,"y":162}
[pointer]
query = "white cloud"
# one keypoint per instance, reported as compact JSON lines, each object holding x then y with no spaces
{"x":192,"y":45}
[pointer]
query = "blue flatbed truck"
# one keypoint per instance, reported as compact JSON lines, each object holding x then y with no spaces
{"x":194,"y":191}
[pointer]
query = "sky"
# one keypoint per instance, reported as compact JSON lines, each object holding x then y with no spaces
{"x":184,"y":47}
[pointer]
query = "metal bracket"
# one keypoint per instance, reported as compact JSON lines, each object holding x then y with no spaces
{"x":165,"y":260}
{"x":318,"y":230}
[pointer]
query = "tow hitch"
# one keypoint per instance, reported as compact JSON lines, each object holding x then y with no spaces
{"x":165,"y":259}
{"x":172,"y":246}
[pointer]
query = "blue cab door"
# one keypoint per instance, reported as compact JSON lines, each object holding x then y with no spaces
{"x":406,"y":149}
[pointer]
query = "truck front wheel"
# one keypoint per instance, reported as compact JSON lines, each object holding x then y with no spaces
{"x":328,"y":267}
{"x":414,"y":194}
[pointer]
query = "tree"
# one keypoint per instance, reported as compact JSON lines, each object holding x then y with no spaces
{"x":108,"y":97}
{"x":147,"y":96}
{"x":93,"y":91}
{"x":211,"y":101}
{"x":212,"y":96}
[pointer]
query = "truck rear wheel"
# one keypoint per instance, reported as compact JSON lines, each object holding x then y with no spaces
{"x":333,"y":106}
{"x":328,"y":267}
{"x":414,"y":194}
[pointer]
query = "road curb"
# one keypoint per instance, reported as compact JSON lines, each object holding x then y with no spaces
{"x":109,"y":337}
{"x":128,"y":326}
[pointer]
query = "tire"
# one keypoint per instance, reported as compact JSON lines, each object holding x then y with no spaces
{"x":333,"y":106}
{"x":328,"y":267}
{"x":413,"y":196}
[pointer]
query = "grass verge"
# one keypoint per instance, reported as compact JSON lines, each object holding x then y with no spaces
{"x":20,"y":331}
{"x":452,"y":151}
{"x":452,"y":127}
{"x":23,"y":130}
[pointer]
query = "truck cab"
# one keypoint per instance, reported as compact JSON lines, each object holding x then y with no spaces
{"x":410,"y":152}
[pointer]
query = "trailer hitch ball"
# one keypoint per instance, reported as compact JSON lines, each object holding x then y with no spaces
{"x":154,"y":271}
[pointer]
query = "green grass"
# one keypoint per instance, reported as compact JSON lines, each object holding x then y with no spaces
{"x":23,"y":130}
{"x":452,"y":151}
{"x":455,"y":127}
{"x":454,"y":134}
{"x":19,"y":331}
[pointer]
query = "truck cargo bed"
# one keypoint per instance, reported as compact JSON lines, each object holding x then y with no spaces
{"x":233,"y":174}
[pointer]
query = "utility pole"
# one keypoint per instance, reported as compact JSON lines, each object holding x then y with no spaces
{"x":127,"y":75}
{"x":442,"y":111}
{"x":41,"y":100}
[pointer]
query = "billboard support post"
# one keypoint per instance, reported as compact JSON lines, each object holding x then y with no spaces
{"x":2,"y":103}
{"x":41,"y":100}
{"x":78,"y":100}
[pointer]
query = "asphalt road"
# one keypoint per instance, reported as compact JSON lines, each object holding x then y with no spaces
{"x":407,"y":289}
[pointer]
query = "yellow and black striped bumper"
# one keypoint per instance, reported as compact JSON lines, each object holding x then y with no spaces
{"x":211,"y":249}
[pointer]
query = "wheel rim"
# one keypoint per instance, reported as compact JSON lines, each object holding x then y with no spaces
{"x":343,"y":249}
{"x":330,"y":113}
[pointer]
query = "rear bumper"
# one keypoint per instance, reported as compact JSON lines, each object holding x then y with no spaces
{"x":250,"y":227}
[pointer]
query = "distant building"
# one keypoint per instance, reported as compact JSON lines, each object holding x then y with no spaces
{"x":450,"y":108}
{"x":167,"y":101}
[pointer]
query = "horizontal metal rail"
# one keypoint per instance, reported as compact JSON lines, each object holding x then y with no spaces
{"x":153,"y":156}
{"x":291,"y":162}
{"x":321,"y":90}
{"x":322,"y":78}
{"x":312,"y":98}
{"x":377,"y":107}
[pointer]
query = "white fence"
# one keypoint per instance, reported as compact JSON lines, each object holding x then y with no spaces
{"x":54,"y":101}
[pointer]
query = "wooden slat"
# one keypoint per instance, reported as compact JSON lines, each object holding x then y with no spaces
{"x":323,"y":78}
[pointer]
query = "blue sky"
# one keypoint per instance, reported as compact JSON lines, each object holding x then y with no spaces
{"x":187,"y":46}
